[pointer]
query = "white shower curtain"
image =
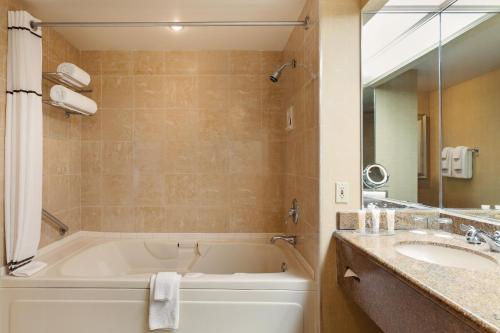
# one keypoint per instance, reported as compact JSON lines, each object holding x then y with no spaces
{"x":23,"y":145}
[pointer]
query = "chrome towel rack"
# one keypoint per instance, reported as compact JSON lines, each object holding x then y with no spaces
{"x":63,"y":228}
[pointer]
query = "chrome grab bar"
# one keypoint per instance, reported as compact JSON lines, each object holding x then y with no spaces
{"x":63,"y":228}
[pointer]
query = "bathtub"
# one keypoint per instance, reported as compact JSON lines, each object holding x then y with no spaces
{"x":99,"y":282}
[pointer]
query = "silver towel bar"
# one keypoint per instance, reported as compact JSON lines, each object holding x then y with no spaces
{"x":63,"y":228}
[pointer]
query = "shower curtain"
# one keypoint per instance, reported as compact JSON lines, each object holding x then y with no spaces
{"x":23,"y":145}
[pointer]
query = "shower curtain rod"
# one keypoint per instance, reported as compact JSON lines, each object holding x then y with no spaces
{"x":108,"y":24}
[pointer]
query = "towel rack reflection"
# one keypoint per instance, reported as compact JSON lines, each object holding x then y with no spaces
{"x":63,"y":228}
{"x":474,"y":150}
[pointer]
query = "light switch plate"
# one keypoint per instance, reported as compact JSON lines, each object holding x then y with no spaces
{"x":341,"y":192}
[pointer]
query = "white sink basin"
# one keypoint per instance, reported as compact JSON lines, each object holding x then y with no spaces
{"x":447,"y":256}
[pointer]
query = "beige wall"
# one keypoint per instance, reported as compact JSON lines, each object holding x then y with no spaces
{"x":428,"y":188}
{"x":340,"y":147}
{"x":471,"y":118}
{"x":300,"y":86}
{"x":396,"y":107}
{"x":61,"y":146}
{"x":61,"y":169}
{"x":184,"y":142}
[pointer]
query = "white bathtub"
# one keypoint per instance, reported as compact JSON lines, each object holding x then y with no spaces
{"x":97,"y":282}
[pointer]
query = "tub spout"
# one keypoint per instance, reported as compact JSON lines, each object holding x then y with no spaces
{"x":289,"y":239}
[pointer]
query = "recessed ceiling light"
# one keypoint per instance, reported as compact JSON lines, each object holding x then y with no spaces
{"x":176,"y":28}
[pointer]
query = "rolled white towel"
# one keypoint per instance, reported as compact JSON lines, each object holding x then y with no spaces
{"x":77,"y":76}
{"x":72,"y":100}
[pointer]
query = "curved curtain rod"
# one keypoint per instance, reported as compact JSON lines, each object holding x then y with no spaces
{"x":103,"y":24}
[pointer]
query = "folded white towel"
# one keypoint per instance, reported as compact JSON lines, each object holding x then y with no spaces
{"x":72,"y":100}
{"x":446,"y":161}
{"x":77,"y":76}
{"x":164,"y":313}
{"x":29,"y":269}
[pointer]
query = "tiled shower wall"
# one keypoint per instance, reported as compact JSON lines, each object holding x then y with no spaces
{"x":183,"y":142}
{"x":61,"y":146}
{"x":301,"y":92}
{"x":61,"y":177}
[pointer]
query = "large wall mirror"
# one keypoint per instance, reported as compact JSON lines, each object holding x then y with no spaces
{"x":431,"y":104}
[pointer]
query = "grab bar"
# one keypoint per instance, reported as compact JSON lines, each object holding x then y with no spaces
{"x":63,"y":228}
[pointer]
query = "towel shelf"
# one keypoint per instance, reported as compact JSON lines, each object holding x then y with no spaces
{"x":65,"y":80}
{"x":67,"y":109}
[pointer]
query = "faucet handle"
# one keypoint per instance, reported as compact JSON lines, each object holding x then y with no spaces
{"x":466,"y":228}
{"x":471,"y":234}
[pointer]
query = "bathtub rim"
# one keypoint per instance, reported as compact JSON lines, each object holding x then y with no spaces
{"x":271,"y":281}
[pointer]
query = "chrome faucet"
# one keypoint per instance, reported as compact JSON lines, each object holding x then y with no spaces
{"x":475,"y":236}
{"x":289,"y":239}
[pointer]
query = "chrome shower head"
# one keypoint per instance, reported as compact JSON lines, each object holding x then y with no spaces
{"x":276,"y":75}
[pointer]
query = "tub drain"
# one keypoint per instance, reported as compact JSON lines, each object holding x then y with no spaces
{"x":284,"y":267}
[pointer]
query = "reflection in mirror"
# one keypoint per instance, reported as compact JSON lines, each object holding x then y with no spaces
{"x":400,"y":76}
{"x":471,"y":114}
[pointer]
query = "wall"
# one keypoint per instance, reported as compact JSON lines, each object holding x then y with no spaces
{"x":428,"y":188}
{"x":301,"y":92}
{"x":396,"y":137}
{"x":340,"y":147}
{"x":61,"y":146}
{"x":183,"y":142}
{"x":61,"y":169}
{"x":471,"y":118}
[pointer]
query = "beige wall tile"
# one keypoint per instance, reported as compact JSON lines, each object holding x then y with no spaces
{"x":180,"y":190}
{"x":149,"y":125}
{"x":148,"y":189}
{"x":148,"y":62}
{"x":117,"y":125}
{"x":213,"y":62}
{"x":213,"y":91}
{"x":117,"y":190}
{"x":245,"y":62}
{"x":181,"y":62}
{"x":116,"y":62}
{"x":185,"y":142}
{"x":117,"y":91}
{"x":117,"y":158}
{"x":149,"y":91}
{"x":118,"y":219}
{"x":150,"y":219}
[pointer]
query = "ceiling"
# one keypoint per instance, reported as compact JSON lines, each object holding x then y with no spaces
{"x":162,"y":38}
{"x":471,"y":54}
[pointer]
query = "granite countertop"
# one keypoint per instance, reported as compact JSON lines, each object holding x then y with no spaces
{"x":475,"y":294}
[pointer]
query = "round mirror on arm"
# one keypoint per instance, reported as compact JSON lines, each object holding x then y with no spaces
{"x":375,"y":176}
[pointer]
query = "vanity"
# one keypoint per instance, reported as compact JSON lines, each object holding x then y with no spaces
{"x":414,"y":282}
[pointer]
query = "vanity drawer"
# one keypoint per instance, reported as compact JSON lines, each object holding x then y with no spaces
{"x":393,"y":304}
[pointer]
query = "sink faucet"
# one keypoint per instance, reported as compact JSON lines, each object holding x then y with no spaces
{"x":289,"y":239}
{"x":475,"y":236}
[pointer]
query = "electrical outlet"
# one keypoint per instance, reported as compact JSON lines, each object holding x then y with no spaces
{"x":341,"y":192}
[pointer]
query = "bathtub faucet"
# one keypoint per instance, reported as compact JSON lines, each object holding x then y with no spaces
{"x":290,"y":239}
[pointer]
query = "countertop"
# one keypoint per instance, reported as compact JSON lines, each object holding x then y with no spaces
{"x":475,"y":294}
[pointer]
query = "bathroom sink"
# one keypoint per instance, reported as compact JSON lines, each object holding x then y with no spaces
{"x":446,"y":255}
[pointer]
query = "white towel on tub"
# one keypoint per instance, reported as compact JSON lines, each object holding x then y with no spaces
{"x":164,"y":304}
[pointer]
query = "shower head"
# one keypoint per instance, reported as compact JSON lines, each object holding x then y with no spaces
{"x":276,"y":75}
